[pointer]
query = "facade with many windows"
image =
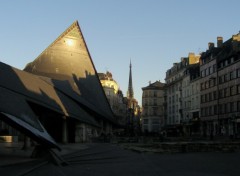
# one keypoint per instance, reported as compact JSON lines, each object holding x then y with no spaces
{"x":220,"y":88}
{"x":153,"y":107}
{"x":191,"y":100}
{"x":173,"y":80}
{"x":174,"y":89}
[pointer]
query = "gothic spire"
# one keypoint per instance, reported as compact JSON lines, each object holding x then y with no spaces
{"x":130,"y":86}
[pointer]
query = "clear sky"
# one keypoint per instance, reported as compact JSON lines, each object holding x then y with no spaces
{"x":152,"y":33}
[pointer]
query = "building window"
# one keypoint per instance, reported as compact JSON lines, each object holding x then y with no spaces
{"x":202,"y":98}
{"x":152,"y":94}
{"x":214,"y":68}
{"x":226,"y":92}
{"x":232,"y":108}
{"x":206,"y":111}
{"x":211,"y":82}
{"x":220,"y":109}
{"x":146,"y":110}
{"x":202,"y":86}
{"x":231,"y":75}
{"x":238,"y":89}
{"x":238,"y":106}
{"x":234,"y":74}
{"x":238,"y":73}
{"x":210,"y":70}
{"x":226,"y":62}
{"x":221,"y":65}
{"x":202,"y":112}
{"x":155,"y":93}
{"x":221,"y":93}
{"x":206,"y":84}
{"x":232,"y":90}
{"x":206,"y":97}
{"x":226,"y":108}
{"x":145,"y":121}
{"x":203,"y":61}
{"x":215,"y":110}
{"x":145,"y":102}
{"x":197,"y":87}
{"x":210,"y":110}
{"x":220,"y":79}
{"x":226,"y":77}
{"x":207,"y":71}
{"x":210,"y":96}
{"x":214,"y":95}
{"x":155,"y":111}
{"x":155,"y":102}
{"x":155,"y":121}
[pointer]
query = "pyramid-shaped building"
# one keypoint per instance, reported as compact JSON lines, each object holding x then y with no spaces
{"x":58,"y":96}
{"x":68,"y":59}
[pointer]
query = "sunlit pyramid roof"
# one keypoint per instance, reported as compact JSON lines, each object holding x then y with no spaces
{"x":68,"y":59}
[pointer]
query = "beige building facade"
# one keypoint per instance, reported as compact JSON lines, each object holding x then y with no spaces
{"x":153,"y":107}
{"x":174,"y":80}
{"x":115,"y":97}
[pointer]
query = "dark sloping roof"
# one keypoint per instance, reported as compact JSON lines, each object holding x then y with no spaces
{"x":155,"y":85}
{"x":34,"y":89}
{"x":68,"y":59}
{"x":213,"y":51}
{"x":227,"y":50}
{"x":15,"y":111}
{"x":69,"y":88}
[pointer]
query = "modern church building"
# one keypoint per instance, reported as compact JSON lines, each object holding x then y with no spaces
{"x":58,"y":97}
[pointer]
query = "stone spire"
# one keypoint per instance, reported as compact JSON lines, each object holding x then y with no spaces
{"x":130,"y":94}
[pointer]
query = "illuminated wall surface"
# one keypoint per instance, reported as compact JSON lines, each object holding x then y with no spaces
{"x":63,"y":79}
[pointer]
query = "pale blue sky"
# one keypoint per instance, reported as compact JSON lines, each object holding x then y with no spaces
{"x":152,"y":33}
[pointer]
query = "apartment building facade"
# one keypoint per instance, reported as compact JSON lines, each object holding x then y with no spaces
{"x":153,"y":107}
{"x":191,"y":100}
{"x":220,"y":88}
{"x":174,"y":80}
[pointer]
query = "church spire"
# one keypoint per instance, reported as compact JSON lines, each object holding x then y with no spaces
{"x":130,"y":94}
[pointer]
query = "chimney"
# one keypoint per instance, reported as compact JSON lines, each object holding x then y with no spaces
{"x":210,"y":45}
{"x":219,"y":41}
{"x":236,"y":41}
